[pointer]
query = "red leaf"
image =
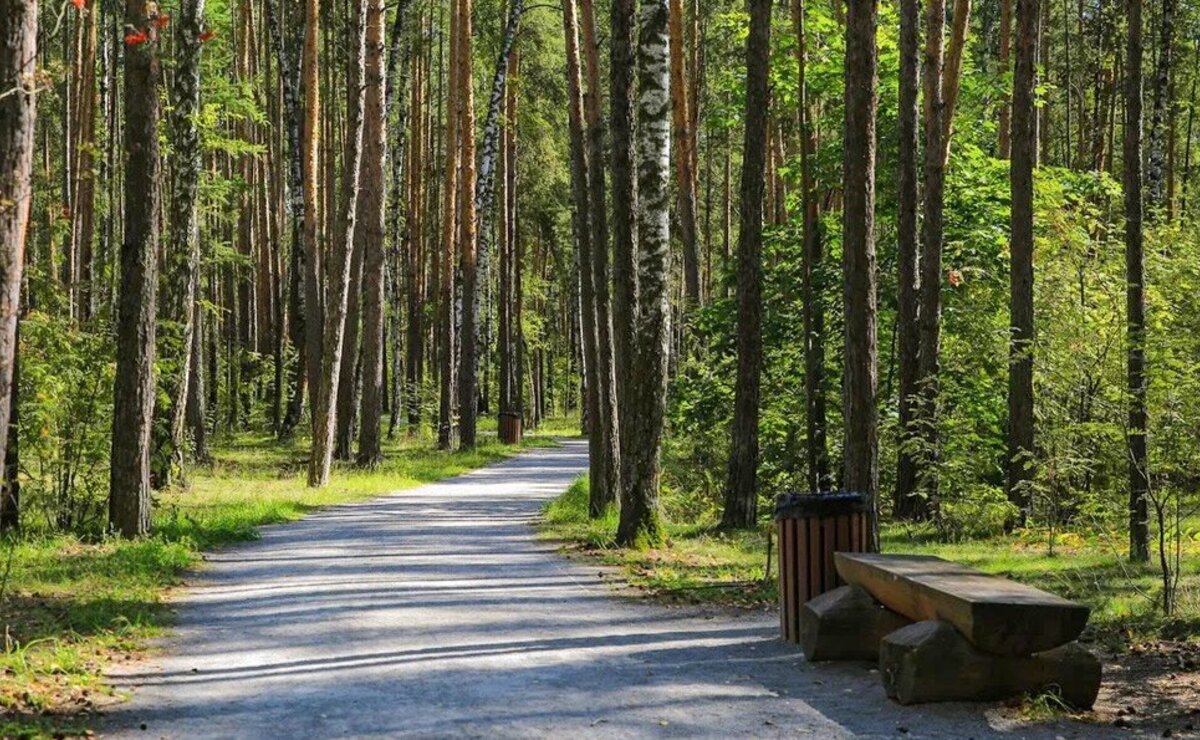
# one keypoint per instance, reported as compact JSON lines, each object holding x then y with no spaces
{"x":135,"y":38}
{"x":162,"y":21}
{"x":79,"y":4}
{"x":955,"y":277}
{"x":207,"y":36}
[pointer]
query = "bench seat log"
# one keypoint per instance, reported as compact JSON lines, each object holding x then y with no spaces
{"x":995,"y":614}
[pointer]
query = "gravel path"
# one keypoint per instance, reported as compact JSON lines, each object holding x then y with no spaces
{"x":435,"y":612}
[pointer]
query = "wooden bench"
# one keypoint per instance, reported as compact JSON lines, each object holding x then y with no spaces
{"x":944,"y":632}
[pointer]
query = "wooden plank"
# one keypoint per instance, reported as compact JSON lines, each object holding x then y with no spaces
{"x":995,"y":614}
{"x":829,"y":575}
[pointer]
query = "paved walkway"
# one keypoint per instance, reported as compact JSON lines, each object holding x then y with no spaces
{"x":435,"y":612}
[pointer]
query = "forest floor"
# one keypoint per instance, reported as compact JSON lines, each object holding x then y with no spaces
{"x":71,"y":607}
{"x":437,"y":612}
{"x":1152,"y":664}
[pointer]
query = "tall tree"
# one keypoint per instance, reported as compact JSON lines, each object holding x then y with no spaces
{"x":445,"y":339}
{"x":741,"y":490}
{"x":600,"y":493}
{"x":685,"y":173}
{"x":624,"y":227}
{"x":1156,"y":169}
{"x":372,"y":225}
{"x":1135,"y":289}
{"x":133,"y":391}
{"x":468,"y":370}
{"x":861,"y":445}
{"x":609,"y":416}
{"x":185,"y":225}
{"x":640,"y":519}
{"x":339,"y":265}
{"x":906,"y":504}
{"x":310,"y":185}
{"x":18,"y":91}
{"x":1004,"y":124}
{"x":1024,"y":156}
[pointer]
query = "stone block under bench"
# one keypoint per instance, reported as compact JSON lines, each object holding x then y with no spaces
{"x":846,"y":624}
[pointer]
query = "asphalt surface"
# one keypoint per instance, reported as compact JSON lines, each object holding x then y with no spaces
{"x":436,"y":612}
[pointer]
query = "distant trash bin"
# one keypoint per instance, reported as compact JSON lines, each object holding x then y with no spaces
{"x":811,"y":528}
{"x":510,"y":427}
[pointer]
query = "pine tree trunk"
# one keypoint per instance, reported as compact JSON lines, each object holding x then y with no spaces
{"x":925,"y":422}
{"x":338,"y":274}
{"x":624,"y":231}
{"x":906,"y":505}
{"x":684,"y":165}
{"x":610,"y":427}
{"x":1004,"y":123}
{"x":741,"y":491}
{"x":1135,"y":286}
{"x":18,"y":66}
{"x":1155,"y":171}
{"x":861,"y":445}
{"x":640,"y":522}
{"x":310,"y":187}
{"x":1024,"y":156}
{"x":133,"y":394}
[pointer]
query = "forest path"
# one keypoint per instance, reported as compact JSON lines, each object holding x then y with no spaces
{"x":436,"y":612}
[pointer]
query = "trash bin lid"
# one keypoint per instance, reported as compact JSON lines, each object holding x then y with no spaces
{"x":794,"y":505}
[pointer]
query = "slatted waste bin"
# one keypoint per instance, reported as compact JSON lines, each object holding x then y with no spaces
{"x":510,"y":427}
{"x":811,"y":528}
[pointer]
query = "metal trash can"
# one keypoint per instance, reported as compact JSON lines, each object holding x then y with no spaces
{"x":811,"y":528}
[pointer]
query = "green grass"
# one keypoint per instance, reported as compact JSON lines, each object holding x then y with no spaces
{"x":71,"y":606}
{"x":701,"y":564}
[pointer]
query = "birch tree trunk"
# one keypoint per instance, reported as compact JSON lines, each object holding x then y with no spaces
{"x":640,"y":522}
{"x":468,"y":366}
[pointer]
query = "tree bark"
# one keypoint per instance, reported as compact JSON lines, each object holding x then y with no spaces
{"x":1135,"y":288}
{"x":907,"y":504}
{"x":449,"y":215}
{"x":741,"y":491}
{"x":1004,"y":144}
{"x":18,"y":67}
{"x":338,"y":274}
{"x":685,"y":174}
{"x":861,"y":445}
{"x":1021,"y":449}
{"x":310,"y":185}
{"x":372,"y":226}
{"x":624,"y":226}
{"x":610,"y":428}
{"x":1155,"y":171}
{"x":640,"y":522}
{"x":133,"y":393}
{"x":468,"y":369}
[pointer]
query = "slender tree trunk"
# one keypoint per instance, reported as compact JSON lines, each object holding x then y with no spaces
{"x":133,"y":395}
{"x":925,"y":423}
{"x":861,"y":445}
{"x":1155,"y":172}
{"x":338,"y":274}
{"x":952,"y":72}
{"x":685,"y":174}
{"x":10,"y":488}
{"x":185,"y":226}
{"x":624,"y":226}
{"x":18,"y":86}
{"x":468,"y":369}
{"x":372,"y":226}
{"x":1135,"y":288}
{"x":907,"y":505}
{"x":1021,"y":449}
{"x":601,"y":495}
{"x":610,"y":428}
{"x":1005,"y":119}
{"x":310,"y":185}
{"x":741,"y":491}
{"x":640,"y":522}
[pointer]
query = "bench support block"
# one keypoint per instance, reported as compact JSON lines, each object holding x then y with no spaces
{"x":930,"y":661}
{"x":845,"y":624}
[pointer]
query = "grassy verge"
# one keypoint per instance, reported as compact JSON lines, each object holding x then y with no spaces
{"x":702,"y":565}
{"x":72,"y":606}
